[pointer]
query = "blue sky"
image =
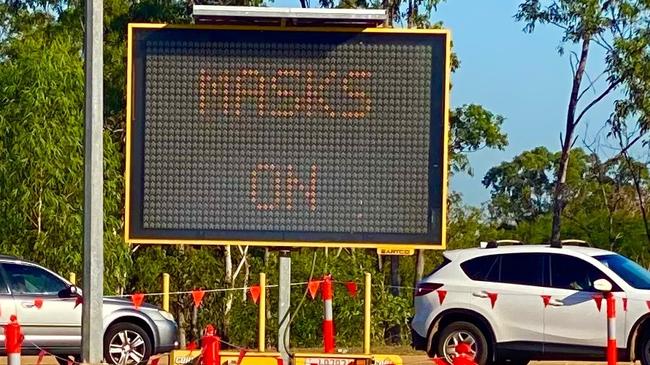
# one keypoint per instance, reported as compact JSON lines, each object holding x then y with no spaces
{"x":518,"y":75}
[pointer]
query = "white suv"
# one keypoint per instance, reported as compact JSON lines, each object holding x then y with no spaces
{"x":518,"y":303}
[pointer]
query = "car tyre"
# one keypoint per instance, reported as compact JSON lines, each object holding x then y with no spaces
{"x":461,"y":331}
{"x":126,"y":344}
{"x":644,"y":348}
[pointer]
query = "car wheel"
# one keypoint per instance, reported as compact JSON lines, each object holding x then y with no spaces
{"x":458,"y":332}
{"x":126,"y":344}
{"x":645,"y":350}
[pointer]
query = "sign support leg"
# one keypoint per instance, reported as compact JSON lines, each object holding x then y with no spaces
{"x":285,"y":297}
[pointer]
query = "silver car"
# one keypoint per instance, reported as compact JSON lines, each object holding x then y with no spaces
{"x":47,"y":309}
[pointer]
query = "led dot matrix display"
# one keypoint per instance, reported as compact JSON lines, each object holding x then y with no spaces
{"x":287,"y":138}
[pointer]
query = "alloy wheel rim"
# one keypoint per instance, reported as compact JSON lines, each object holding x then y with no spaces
{"x":127,"y":348}
{"x":455,"y":338}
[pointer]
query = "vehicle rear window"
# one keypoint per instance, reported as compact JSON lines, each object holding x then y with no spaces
{"x":514,"y":268}
{"x":522,"y":269}
{"x":484,"y":268}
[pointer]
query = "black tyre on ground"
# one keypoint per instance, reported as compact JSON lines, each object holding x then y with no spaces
{"x":644,"y":350}
{"x":457,"y":332}
{"x":126,"y":344}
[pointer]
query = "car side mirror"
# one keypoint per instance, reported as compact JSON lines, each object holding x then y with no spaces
{"x":74,"y":291}
{"x":70,"y":292}
{"x":603,"y":285}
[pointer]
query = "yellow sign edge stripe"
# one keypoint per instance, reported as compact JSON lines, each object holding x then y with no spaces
{"x":299,"y":244}
{"x":127,"y":166}
{"x":288,"y":28}
{"x":129,"y":96}
{"x":445,"y":151}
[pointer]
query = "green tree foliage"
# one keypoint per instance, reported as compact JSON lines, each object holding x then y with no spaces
{"x":621,"y":29}
{"x":473,"y":128}
{"x":601,"y":206}
{"x":41,"y":170}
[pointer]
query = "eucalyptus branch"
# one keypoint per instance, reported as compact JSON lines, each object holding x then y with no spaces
{"x":611,"y":87}
{"x":591,"y":84}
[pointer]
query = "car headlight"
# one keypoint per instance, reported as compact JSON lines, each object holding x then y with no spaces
{"x":166,"y":315}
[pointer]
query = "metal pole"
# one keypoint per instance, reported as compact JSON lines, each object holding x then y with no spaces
{"x":328,"y":318}
{"x":165,"y":290}
{"x":612,"y":356}
{"x":261,"y":330}
{"x":285,"y":297}
{"x":366,"y":313}
{"x":93,"y":274}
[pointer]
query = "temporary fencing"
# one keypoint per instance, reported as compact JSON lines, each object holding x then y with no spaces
{"x":326,"y":285}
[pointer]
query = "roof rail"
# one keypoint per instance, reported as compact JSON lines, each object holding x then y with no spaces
{"x":496,"y":243}
{"x":575,"y":242}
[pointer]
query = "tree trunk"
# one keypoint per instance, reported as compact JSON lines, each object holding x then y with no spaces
{"x":567,"y":143}
{"x":639,"y":193}
{"x":228,"y":269}
{"x":410,"y":14}
{"x":394,"y":335}
{"x":419,"y":266}
{"x":181,"y":329}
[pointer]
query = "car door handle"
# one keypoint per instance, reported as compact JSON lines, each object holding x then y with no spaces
{"x":555,"y":302}
{"x":28,"y":304}
{"x":480,"y":294}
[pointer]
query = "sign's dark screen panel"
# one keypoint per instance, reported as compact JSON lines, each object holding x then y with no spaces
{"x":287,"y":136}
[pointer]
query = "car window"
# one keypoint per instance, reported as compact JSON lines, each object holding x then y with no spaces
{"x":484,"y":268}
{"x":569,"y":272}
{"x":522,"y":268}
{"x":28,"y":279}
{"x":633,"y":273}
{"x":3,"y":286}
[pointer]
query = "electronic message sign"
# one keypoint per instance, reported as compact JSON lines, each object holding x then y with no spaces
{"x":287,"y":136}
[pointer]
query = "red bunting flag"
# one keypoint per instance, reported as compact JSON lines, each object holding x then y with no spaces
{"x":598,"y":298}
{"x":77,"y":301}
{"x":155,"y":361}
{"x":191,"y":346}
{"x":137,"y":299}
{"x":625,"y":304}
{"x":255,"y":291}
{"x":313,"y":286}
{"x":442,"y":294}
{"x":493,"y":298}
{"x":546,"y":299}
{"x":38,"y":303}
{"x":240,"y":358}
{"x":351,"y":286}
{"x":647,"y":303}
{"x":40,"y":357}
{"x":197,"y":295}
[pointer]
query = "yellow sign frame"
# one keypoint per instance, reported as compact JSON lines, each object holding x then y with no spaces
{"x":379,"y":246}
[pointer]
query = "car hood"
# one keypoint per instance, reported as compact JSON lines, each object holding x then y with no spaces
{"x":125,"y":302}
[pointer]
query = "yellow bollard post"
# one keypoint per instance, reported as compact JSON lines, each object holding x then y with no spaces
{"x":261,"y":330}
{"x":73,"y":278}
{"x":366,"y":313}
{"x":165,"y":290}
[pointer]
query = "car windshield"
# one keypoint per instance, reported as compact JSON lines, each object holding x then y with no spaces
{"x":633,"y":273}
